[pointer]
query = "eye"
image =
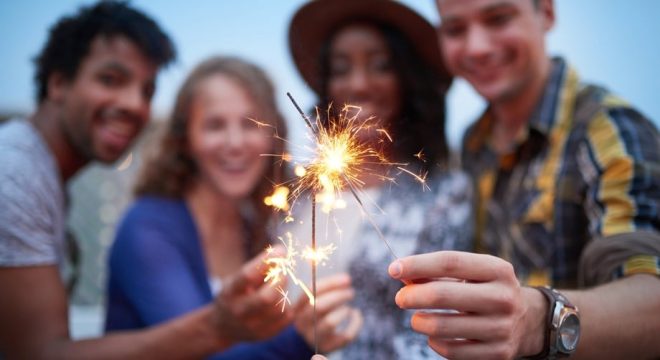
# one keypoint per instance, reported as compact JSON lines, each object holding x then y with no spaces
{"x":381,"y":64}
{"x":339,"y":67}
{"x":149,"y":90}
{"x":452,"y":30}
{"x":213,"y":124}
{"x":110,"y":79}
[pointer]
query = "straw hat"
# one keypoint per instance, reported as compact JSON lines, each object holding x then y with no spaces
{"x":317,"y":20}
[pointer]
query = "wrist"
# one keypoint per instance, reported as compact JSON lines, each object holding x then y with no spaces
{"x":533,"y":336}
{"x":562,"y":326}
{"x":217,"y":330}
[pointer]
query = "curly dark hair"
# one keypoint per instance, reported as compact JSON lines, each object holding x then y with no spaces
{"x":422,"y":122}
{"x":70,"y":38}
{"x":171,"y":170}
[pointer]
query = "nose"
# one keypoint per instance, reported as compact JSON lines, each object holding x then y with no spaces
{"x":235,"y":137}
{"x":359,"y":81}
{"x":479,"y":42}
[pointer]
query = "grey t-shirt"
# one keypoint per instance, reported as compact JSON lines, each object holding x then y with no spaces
{"x":32,"y":201}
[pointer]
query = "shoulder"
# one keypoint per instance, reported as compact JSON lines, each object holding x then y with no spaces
{"x":612,"y":124}
{"x":154,"y":215}
{"x":151,"y":226}
{"x":598,"y":107}
{"x":156,"y":209}
{"x":23,"y":153}
{"x":29,"y":178}
{"x":32,"y":209}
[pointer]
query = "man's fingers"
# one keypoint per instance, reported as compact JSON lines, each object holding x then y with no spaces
{"x":464,"y":297}
{"x":452,"y":264}
{"x":460,"y":326}
{"x":468,"y":349}
{"x":331,"y":300}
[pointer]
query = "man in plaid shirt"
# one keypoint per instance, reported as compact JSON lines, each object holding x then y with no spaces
{"x":568,"y":177}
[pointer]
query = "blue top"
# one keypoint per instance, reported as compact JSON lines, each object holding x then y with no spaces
{"x":157,"y":272}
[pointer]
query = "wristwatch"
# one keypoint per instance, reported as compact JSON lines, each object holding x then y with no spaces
{"x":562,"y":326}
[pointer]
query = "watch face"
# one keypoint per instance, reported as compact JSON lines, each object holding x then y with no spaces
{"x":569,"y":332}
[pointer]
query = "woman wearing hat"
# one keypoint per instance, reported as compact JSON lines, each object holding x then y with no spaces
{"x":383,"y":57}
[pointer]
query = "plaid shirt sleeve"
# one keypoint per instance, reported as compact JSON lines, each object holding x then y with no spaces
{"x":620,"y":161}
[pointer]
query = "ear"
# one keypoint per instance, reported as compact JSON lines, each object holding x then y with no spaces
{"x":547,"y":11}
{"x":57,"y":86}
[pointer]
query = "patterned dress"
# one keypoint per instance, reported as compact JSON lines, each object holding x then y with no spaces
{"x":414,"y":220}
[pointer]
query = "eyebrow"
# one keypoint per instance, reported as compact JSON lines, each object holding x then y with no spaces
{"x":116,"y":66}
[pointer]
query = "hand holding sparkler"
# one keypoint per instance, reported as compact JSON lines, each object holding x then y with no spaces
{"x":247,"y":308}
{"x":332,"y":311}
{"x":490,"y":308}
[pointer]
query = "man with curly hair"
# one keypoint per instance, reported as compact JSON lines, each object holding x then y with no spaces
{"x":96,"y":76}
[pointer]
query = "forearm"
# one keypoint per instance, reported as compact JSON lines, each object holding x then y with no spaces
{"x":191,"y":336}
{"x":619,"y":320}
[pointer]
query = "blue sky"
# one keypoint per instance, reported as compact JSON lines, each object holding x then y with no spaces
{"x":612,"y":42}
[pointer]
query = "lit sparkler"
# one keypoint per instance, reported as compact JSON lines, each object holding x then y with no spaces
{"x":341,"y":160}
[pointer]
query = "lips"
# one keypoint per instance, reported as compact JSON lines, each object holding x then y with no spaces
{"x":234,"y":169}
{"x":117,"y":133}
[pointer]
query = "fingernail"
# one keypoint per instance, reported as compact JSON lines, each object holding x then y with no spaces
{"x":395,"y":269}
{"x":397,"y":298}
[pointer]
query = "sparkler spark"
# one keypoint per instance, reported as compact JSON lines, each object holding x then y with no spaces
{"x":280,"y":267}
{"x":419,"y":178}
{"x":279,"y":198}
{"x":319,"y":255}
{"x":420,"y":155}
{"x":285,"y":298}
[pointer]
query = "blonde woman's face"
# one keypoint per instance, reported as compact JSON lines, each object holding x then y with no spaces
{"x":225,"y":143}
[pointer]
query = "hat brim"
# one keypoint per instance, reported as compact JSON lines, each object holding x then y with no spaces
{"x":314,"y":23}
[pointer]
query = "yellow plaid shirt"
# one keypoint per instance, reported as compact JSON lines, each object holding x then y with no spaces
{"x":586,"y":173}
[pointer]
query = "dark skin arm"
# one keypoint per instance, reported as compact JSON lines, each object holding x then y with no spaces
{"x":34,"y":320}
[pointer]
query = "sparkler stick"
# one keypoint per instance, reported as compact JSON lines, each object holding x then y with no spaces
{"x":311,"y":127}
{"x":316,"y":335}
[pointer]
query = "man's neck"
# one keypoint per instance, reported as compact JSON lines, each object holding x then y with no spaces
{"x":47,"y":123}
{"x":512,"y":115}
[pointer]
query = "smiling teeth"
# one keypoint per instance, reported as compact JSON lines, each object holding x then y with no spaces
{"x":121,"y":128}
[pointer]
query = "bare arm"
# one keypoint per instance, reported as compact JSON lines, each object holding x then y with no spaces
{"x":34,"y":321}
{"x":620,"y":320}
{"x":35,"y":325}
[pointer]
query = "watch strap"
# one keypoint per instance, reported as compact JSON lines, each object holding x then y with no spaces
{"x":545,"y":351}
